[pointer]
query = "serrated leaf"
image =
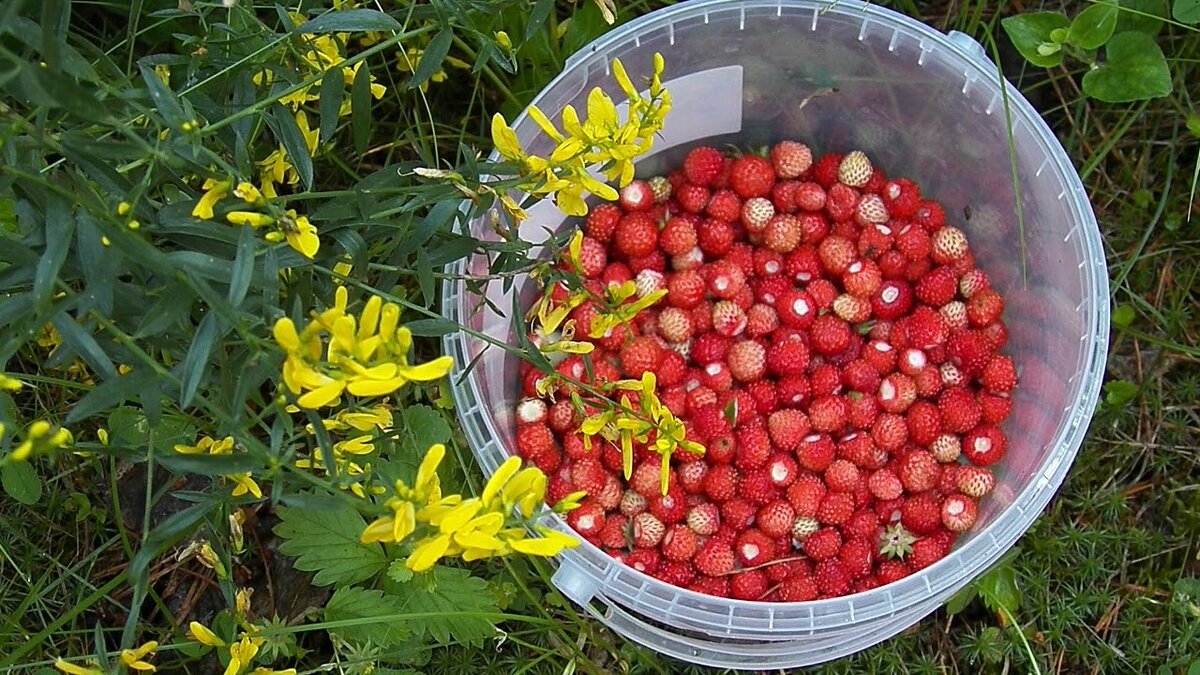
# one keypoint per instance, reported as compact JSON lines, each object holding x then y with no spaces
{"x":1032,"y":30}
{"x":432,"y":58}
{"x":1186,"y":11}
{"x":326,"y":542}
{"x":998,"y":588}
{"x":349,"y":21}
{"x":333,"y":86}
{"x":1093,"y":26}
{"x":421,"y":427}
{"x":354,"y":603}
{"x":1134,"y":70}
{"x":21,"y":482}
{"x":450,"y":592}
{"x":399,"y":572}
{"x":360,"y":108}
{"x":292,"y":138}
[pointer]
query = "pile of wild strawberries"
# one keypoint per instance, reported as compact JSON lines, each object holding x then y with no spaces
{"x":827,"y":336}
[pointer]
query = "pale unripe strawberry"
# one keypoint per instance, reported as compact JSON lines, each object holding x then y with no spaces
{"x":804,"y":527}
{"x":852,"y":309}
{"x":660,"y":187}
{"x":954,"y":313}
{"x":747,"y":360}
{"x":946,"y":448}
{"x":633,"y":503}
{"x":870,"y":210}
{"x":756,"y":212}
{"x":649,"y":281}
{"x":728,"y":319}
{"x":675,"y":325}
{"x":790,"y":159}
{"x":975,"y":481}
{"x":951,"y":375}
{"x":855,"y":169}
{"x":949,"y":245}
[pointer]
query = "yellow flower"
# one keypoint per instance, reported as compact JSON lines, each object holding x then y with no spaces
{"x":41,"y":437}
{"x":242,"y":653}
{"x":244,"y":483}
{"x":135,"y":658}
{"x":271,"y":671}
{"x":207,"y":446}
{"x":10,"y":383}
{"x":248,"y":193}
{"x":300,"y":234}
{"x":237,"y":537}
{"x":75,"y":669}
{"x":503,"y":41}
{"x":551,"y":543}
{"x":242,"y":601}
{"x":200,"y":633}
{"x":394,"y":528}
{"x":214,"y":191}
{"x":249,"y":218}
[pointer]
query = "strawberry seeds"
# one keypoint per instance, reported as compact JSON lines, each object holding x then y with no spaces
{"x":825,"y":335}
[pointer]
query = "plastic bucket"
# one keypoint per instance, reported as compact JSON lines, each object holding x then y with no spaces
{"x":922,"y":104}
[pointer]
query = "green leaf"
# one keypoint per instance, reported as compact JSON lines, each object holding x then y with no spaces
{"x":422,"y":426}
{"x":1144,"y":16}
{"x":111,"y":392}
{"x":1093,"y":27}
{"x":290,"y":136}
{"x":243,"y":267}
{"x":425,"y":276}
{"x":196,"y":361}
{"x":1193,"y":125}
{"x":1134,"y":69}
{"x":449,"y":592}
{"x":1186,"y":11}
{"x":208,"y":465}
{"x":59,"y":226}
{"x":961,"y":600}
{"x":163,"y":98}
{"x":1120,"y":392}
{"x":21,"y":482}
{"x":326,"y":542}
{"x":74,"y":336}
{"x":998,"y":588}
{"x":360,"y":109}
{"x":431,"y":327}
{"x":1032,"y":30}
{"x":352,"y":602}
{"x":1194,"y":668}
{"x":399,"y":573}
{"x":433,"y":57}
{"x":538,"y":16}
{"x":333,"y":86}
{"x":1123,"y":316}
{"x":349,"y":21}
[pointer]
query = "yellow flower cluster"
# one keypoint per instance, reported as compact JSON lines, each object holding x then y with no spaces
{"x":133,"y":659}
{"x":287,"y":225}
{"x":337,"y":353}
{"x":359,"y":429}
{"x":40,"y":437}
{"x":408,"y":58}
{"x":475,"y":528}
{"x":649,"y":423}
{"x":243,"y":483}
{"x":602,"y":140}
{"x":315,"y":55}
{"x":241,"y":652}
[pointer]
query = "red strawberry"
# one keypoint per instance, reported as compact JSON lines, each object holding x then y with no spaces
{"x":787,"y":357}
{"x":702,"y":165}
{"x":809,"y":197}
{"x":999,"y":375}
{"x":563,"y":417}
{"x":862,"y":411}
{"x":670,"y":508}
{"x":724,"y":205}
{"x":751,"y":176}
{"x":715,"y":238}
{"x":714,"y":558}
{"x":919,"y":471}
{"x":984,"y":445}
{"x":861,"y":451}
{"x":835,"y":509}
{"x":827,"y":414}
{"x":798,"y":589}
{"x":637,"y":196}
{"x":857,"y":556}
{"x":960,"y":411}
{"x":737,"y":514}
{"x":616,"y":527}
{"x":958,"y":513}
{"x":884,"y":484}
{"x":593,"y":258}
{"x":678,"y":236}
{"x":753,"y":547}
{"x":975,"y":481}
{"x":994,"y":408}
{"x":685,"y":289}
{"x":892,"y":571}
{"x":924,"y":423}
{"x":842,"y":476}
{"x":890,"y":432}
{"x":720,"y":483}
{"x":829,"y":335}
{"x":938,"y":287}
{"x":790,"y":159}
{"x":644,"y":560}
{"x":692,"y":198}
{"x":756,"y":487}
{"x":787,"y":428}
{"x":832,"y":578}
{"x":748,"y":585}
{"x":602,"y":222}
{"x":841,"y":204}
{"x":823,"y":544}
{"x":929,"y":215}
{"x":679,"y":543}
{"x":854,"y":169}
{"x":753,"y":447}
{"x":902,"y":197}
{"x":709,"y":585}
{"x":692,"y":475}
{"x":805,"y":496}
{"x":836,"y":254}
{"x":534,"y":440}
{"x":761,"y":320}
{"x":782,"y":469}
{"x":792,"y":391}
{"x":881,"y":355}
{"x":984,"y":308}
{"x":636,"y":235}
{"x":587,"y":520}
{"x":756,"y":213}
{"x":710,"y":348}
{"x":775,"y":519}
{"x":796,"y":309}
{"x":639,"y":356}
{"x":926,"y":551}
{"x":921,"y":514}
{"x":676,"y":573}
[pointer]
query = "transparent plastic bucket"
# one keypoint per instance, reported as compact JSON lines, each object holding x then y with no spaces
{"x":922,"y":104}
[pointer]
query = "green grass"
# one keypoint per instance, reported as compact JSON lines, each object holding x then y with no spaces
{"x":1104,"y":574}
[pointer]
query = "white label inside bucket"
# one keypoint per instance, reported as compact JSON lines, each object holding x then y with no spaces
{"x":703,"y":104}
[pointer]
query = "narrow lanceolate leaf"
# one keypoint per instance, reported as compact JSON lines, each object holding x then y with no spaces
{"x":326,"y":541}
{"x":360,"y":109}
{"x":349,"y":21}
{"x":373,"y":615}
{"x":243,"y":267}
{"x":60,"y":225}
{"x":433,"y":57}
{"x":293,"y":141}
{"x":333,"y":86}
{"x":196,"y":361}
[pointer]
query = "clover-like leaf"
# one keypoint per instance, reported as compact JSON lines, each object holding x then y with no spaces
{"x":1032,"y":31}
{"x":1134,"y":70}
